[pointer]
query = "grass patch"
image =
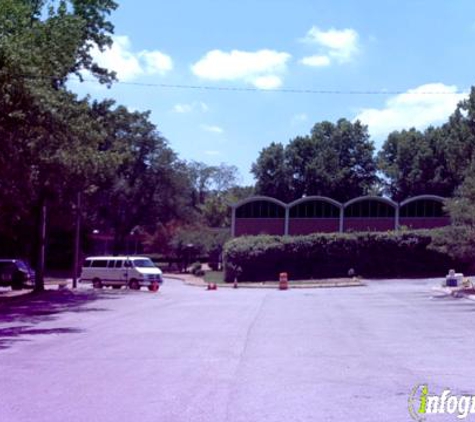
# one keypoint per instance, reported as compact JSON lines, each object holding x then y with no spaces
{"x":214,"y":277}
{"x":218,"y":278}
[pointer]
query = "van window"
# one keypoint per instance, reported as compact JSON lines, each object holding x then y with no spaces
{"x":111,"y":263}
{"x":87,"y":263}
{"x":118,"y":263}
{"x":102,"y":263}
{"x":143,"y":263}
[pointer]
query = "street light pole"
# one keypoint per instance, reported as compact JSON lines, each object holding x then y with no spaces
{"x":77,"y":240}
{"x":40,"y":270}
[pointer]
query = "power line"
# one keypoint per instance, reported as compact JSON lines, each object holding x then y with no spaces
{"x":283,"y":90}
{"x":312,"y":91}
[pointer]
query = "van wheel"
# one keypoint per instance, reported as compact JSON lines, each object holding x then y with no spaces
{"x":97,"y":283}
{"x":153,"y":287}
{"x":17,"y":286}
{"x":134,"y":284}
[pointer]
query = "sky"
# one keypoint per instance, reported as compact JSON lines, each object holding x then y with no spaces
{"x":223,"y":79}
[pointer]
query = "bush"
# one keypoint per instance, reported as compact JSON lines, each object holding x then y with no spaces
{"x":391,"y":254}
{"x":458,"y":242}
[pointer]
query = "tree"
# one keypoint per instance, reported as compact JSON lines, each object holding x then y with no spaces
{"x":272,"y":174}
{"x":335,"y":160}
{"x":45,"y":127}
{"x":431,"y":162}
{"x":149,"y":185}
{"x":462,"y":206}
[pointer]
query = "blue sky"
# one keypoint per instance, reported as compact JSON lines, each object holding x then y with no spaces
{"x":419,"y":54}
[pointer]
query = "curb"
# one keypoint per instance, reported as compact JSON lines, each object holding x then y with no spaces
{"x":11,"y":295}
{"x":322,"y":285}
{"x":191,"y":280}
{"x":188,"y":279}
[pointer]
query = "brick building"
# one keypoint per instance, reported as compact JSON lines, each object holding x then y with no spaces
{"x":317,"y":214}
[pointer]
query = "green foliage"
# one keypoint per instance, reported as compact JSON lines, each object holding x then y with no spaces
{"x":189,"y":242}
{"x":435,"y":161}
{"x":336,"y":160}
{"x":458,"y":242}
{"x":272,"y":174}
{"x":145,"y":185}
{"x":55,"y":145}
{"x":462,"y":206}
{"x":391,"y":254}
{"x":49,"y":141}
{"x":416,"y":163}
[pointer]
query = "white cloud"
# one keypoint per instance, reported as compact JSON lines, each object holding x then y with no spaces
{"x":204,"y":107}
{"x":316,"y":61}
{"x":262,"y":68}
{"x":212,"y":153}
{"x":212,"y":129}
{"x":421,"y":107}
{"x":188,"y":108}
{"x":155,"y":62}
{"x":299,"y":118}
{"x":340,"y":45}
{"x":268,"y":82}
{"x":128,"y":64}
{"x":182,"y":108}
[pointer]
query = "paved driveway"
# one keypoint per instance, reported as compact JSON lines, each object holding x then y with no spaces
{"x":186,"y":354}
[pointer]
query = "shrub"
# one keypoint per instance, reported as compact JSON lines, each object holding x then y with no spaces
{"x":375,"y":254}
{"x":458,"y":242}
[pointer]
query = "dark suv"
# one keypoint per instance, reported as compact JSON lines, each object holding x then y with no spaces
{"x":16,"y":273}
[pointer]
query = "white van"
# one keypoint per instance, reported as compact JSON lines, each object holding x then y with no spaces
{"x":118,"y":271}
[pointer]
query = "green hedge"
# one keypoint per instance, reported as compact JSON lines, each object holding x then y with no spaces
{"x":389,"y":254}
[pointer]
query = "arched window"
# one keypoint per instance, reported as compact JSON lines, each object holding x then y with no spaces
{"x":370,"y":208}
{"x":423,"y":207}
{"x":260,"y":209}
{"x":315,"y":209}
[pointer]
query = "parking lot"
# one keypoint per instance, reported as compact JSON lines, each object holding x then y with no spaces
{"x":187,"y":354}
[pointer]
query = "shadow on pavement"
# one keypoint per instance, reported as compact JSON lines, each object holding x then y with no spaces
{"x":19,"y":317}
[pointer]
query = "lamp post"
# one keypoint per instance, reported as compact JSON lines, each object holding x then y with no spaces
{"x":134,"y":233}
{"x":77,"y":241}
{"x":188,"y":250}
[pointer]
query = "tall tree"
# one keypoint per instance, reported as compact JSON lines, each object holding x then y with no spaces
{"x":148,"y":187}
{"x":335,"y":160}
{"x":434,"y":161}
{"x":45,"y":127}
{"x":272,"y":174}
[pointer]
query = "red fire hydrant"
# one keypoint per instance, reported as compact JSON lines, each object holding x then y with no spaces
{"x":283,"y":281}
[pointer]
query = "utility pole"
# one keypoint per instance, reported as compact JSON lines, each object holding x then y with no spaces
{"x":40,"y":271}
{"x":77,"y":240}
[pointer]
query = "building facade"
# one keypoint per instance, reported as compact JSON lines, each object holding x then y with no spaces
{"x":317,"y":214}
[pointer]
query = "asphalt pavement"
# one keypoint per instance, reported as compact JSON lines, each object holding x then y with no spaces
{"x":245,"y":355}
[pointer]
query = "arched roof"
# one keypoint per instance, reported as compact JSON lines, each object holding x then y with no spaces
{"x":258,"y":198}
{"x":371,"y":198}
{"x":315,"y":198}
{"x":423,"y":197}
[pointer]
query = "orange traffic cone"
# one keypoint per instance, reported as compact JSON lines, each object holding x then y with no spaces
{"x":283,"y":281}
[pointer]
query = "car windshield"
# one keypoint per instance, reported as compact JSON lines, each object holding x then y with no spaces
{"x":143,"y":263}
{"x":22,"y":265}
